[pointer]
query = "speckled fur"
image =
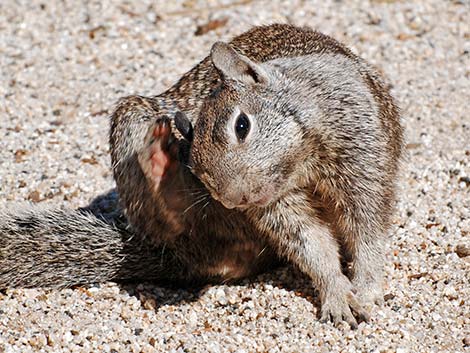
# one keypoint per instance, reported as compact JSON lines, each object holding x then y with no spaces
{"x":183,"y":233}
{"x":324,"y":126}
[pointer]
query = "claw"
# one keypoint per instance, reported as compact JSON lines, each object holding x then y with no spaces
{"x":342,"y":305}
{"x":361,"y":314}
{"x":351,"y":322}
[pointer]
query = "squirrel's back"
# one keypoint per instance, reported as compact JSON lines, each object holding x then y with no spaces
{"x":261,"y":43}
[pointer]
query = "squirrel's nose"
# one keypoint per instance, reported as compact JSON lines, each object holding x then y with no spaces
{"x":243,"y":201}
{"x":233,"y":197}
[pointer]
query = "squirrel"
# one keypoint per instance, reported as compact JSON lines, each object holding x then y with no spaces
{"x":280,"y":144}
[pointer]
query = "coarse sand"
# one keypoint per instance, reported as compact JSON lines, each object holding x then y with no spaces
{"x":63,"y":64}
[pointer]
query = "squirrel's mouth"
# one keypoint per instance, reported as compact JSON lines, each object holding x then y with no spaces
{"x":263,"y":200}
{"x":245,"y":202}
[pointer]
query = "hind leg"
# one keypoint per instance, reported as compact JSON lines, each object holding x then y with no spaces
{"x":158,"y":159}
{"x":146,"y":169}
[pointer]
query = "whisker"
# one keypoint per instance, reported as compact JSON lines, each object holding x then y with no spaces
{"x":199,"y":193}
{"x":198,"y":201}
{"x":163,"y":252}
{"x":261,"y":252}
{"x":204,"y":214}
{"x":207,"y":198}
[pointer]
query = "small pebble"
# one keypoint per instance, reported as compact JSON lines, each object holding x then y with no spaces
{"x":462,"y":250}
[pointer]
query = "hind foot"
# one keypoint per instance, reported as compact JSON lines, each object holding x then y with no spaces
{"x":158,"y":159}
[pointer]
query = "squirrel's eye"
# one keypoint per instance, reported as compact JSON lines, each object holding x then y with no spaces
{"x":242,"y":126}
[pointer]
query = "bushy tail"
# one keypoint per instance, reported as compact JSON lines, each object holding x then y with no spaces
{"x":50,"y":247}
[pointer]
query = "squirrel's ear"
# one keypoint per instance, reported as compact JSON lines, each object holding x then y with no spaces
{"x":184,"y":126}
{"x":236,"y":66}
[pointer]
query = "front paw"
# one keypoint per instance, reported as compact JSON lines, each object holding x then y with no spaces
{"x":339,"y":304}
{"x":368,"y":293}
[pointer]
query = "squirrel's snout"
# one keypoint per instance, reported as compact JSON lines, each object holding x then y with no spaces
{"x":233,"y":200}
{"x":234,"y":197}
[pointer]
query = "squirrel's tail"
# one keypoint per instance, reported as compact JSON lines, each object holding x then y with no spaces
{"x":50,"y":247}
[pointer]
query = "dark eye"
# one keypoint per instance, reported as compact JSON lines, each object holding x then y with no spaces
{"x":242,"y":127}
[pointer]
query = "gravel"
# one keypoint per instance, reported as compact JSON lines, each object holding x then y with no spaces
{"x":63,"y":64}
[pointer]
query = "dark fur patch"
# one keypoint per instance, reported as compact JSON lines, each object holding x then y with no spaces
{"x":27,"y":223}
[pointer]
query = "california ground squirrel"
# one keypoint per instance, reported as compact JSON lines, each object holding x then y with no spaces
{"x":319,"y":158}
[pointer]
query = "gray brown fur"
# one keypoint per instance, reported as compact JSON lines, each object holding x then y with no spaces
{"x":184,"y":236}
{"x":321,"y":159}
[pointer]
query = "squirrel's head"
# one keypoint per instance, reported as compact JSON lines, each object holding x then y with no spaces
{"x":245,"y":141}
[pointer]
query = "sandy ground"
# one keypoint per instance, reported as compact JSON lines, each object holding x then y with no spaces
{"x":63,"y":64}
